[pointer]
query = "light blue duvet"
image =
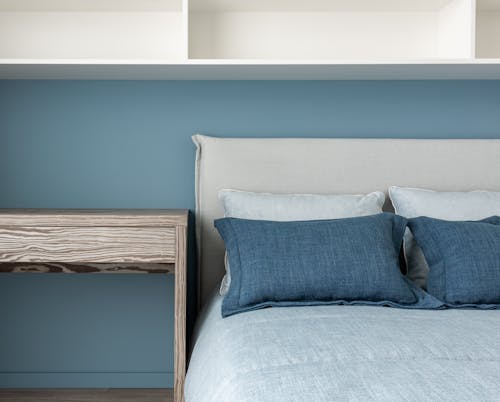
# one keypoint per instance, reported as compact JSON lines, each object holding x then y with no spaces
{"x":345,"y":353}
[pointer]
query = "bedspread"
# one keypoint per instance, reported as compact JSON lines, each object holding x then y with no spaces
{"x":345,"y":353}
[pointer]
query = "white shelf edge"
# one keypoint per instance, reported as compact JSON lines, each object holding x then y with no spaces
{"x":469,"y":69}
{"x":246,"y":62}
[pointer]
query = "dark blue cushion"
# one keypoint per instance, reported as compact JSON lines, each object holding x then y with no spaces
{"x":340,"y":261}
{"x":464,"y":260}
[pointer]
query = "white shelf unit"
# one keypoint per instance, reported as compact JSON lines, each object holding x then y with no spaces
{"x":488,"y":29}
{"x":258,"y":39}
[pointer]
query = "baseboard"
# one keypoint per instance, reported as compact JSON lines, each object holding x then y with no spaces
{"x":105,"y":379}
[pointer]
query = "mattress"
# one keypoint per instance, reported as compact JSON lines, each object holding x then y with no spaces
{"x":345,"y":353}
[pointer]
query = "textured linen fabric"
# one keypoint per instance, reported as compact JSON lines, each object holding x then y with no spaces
{"x":345,"y":353}
{"x":448,"y":205}
{"x":464,"y":260}
{"x":294,"y":207}
{"x":311,"y":262}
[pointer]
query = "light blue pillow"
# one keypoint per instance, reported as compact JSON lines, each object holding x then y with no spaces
{"x":464,"y":260}
{"x":339,"y":261}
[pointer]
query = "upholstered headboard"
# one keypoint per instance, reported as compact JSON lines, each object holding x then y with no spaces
{"x":327,"y":166}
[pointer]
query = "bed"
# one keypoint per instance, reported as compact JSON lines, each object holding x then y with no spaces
{"x":326,"y":353}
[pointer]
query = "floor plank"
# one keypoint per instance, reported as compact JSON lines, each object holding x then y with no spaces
{"x":86,"y":395}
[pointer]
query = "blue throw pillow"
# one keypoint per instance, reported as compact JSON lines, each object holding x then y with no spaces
{"x":339,"y":261}
{"x":464,"y":260}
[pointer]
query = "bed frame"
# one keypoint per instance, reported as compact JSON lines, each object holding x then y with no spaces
{"x":327,"y":166}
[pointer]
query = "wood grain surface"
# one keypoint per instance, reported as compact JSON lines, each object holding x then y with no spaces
{"x":88,"y":244}
{"x":86,"y":268}
{"x":180,"y":313}
{"x":93,"y":217}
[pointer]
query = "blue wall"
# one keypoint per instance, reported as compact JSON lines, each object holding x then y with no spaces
{"x":116,"y":144}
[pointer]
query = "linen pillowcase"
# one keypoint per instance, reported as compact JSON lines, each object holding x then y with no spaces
{"x":464,"y":260}
{"x":340,"y":261}
{"x":452,"y":206}
{"x":298,"y":207}
{"x":294,"y":207}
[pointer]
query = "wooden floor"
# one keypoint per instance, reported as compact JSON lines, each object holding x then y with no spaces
{"x":86,"y":395}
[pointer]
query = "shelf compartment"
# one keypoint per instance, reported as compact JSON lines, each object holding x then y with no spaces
{"x":488,"y":29}
{"x":331,"y":30}
{"x":107,"y":29}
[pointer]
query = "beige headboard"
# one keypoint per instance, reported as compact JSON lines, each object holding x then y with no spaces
{"x":327,"y":166}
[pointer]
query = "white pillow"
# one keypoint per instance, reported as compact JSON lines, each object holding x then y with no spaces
{"x":295,"y":207}
{"x":452,"y":206}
